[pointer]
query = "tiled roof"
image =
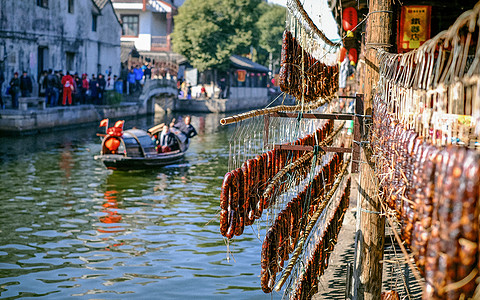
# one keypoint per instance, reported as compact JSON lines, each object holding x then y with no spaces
{"x":167,"y":2}
{"x":100,"y":3}
{"x":244,"y":63}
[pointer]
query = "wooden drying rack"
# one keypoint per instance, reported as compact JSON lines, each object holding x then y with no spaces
{"x":357,"y":118}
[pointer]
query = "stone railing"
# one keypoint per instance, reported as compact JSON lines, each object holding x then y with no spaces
{"x":157,"y":87}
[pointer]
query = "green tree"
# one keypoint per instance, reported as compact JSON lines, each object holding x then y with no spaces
{"x":208,"y":32}
{"x":270,"y":26}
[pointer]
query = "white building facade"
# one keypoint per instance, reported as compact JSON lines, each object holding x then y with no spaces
{"x":147,"y":23}
{"x":71,"y":35}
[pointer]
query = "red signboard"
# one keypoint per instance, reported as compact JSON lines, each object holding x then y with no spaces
{"x":414,"y":29}
{"x":241,"y":74}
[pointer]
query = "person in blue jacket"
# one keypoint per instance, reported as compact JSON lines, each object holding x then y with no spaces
{"x":131,"y":82}
{"x":138,"y":77}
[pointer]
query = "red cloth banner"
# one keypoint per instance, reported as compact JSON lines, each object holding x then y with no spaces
{"x":104,"y":123}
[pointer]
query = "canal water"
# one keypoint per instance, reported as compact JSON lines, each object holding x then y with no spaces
{"x":69,"y":227}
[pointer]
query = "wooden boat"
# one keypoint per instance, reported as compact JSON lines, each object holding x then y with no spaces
{"x":136,"y":150}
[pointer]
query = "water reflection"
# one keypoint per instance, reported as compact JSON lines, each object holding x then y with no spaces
{"x":69,"y":227}
{"x":110,"y":216}
{"x":66,"y":161}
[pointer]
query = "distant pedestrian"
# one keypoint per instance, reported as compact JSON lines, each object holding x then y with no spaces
{"x":93,"y":88}
{"x":131,"y":82}
{"x":67,"y":83}
{"x":26,"y":84}
{"x":58,"y":84}
{"x":108,"y":72}
{"x":148,"y":71}
{"x":189,"y":92}
{"x":84,"y":89}
{"x":41,"y":85}
{"x":101,"y":83}
{"x":110,"y":83}
{"x":15,"y":89}
{"x":118,"y":84}
{"x":77,"y":91}
{"x":138,"y":77}
{"x":51,"y":92}
{"x":123,"y":78}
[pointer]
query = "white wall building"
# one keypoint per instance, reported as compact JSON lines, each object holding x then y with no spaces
{"x":147,"y":23}
{"x":70,"y":35}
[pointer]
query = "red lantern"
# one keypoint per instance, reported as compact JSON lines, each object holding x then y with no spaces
{"x":352,"y":55}
{"x":112,"y":144}
{"x":349,"y":18}
{"x":343,"y":53}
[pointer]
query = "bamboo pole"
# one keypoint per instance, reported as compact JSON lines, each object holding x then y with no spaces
{"x":370,"y":233}
{"x":280,"y":108}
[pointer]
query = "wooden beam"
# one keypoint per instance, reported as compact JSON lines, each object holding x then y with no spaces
{"x":370,"y":233}
{"x":357,"y":134}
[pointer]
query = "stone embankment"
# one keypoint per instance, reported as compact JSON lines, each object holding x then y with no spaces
{"x":33,"y":116}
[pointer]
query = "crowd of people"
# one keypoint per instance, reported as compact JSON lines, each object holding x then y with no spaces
{"x":61,"y":89}
{"x":74,"y":89}
{"x":18,"y":86}
{"x":135,"y":78}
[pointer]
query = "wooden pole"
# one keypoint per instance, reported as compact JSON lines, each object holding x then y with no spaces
{"x":370,"y":233}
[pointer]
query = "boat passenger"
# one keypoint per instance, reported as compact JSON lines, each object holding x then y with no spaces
{"x":168,"y":140}
{"x":186,"y":127}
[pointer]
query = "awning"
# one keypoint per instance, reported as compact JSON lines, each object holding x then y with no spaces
{"x":243,"y":63}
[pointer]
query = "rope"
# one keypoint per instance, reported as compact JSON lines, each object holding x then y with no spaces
{"x":402,"y":247}
{"x":312,"y":25}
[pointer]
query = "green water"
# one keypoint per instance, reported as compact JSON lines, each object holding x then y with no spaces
{"x":69,"y":227}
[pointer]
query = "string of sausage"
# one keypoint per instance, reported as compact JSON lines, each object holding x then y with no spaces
{"x":435,"y":194}
{"x":390,"y":295}
{"x":241,"y":197}
{"x":302,"y":163}
{"x":283,"y":235}
{"x":320,"y":80}
{"x":318,"y":261}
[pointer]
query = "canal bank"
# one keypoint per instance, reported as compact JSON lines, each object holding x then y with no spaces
{"x":34,"y":120}
{"x":157,"y":96}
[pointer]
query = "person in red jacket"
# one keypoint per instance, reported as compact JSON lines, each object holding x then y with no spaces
{"x":67,"y":83}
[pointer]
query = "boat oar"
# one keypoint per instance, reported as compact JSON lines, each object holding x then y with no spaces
{"x":156,"y":128}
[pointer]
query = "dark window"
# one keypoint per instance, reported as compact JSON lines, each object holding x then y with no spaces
{"x":42,"y":3}
{"x":70,"y":6}
{"x":94,"y":22}
{"x":70,"y":61}
{"x":130,"y":25}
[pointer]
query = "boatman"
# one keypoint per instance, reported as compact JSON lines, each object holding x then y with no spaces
{"x":168,"y":140}
{"x":185,"y":127}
